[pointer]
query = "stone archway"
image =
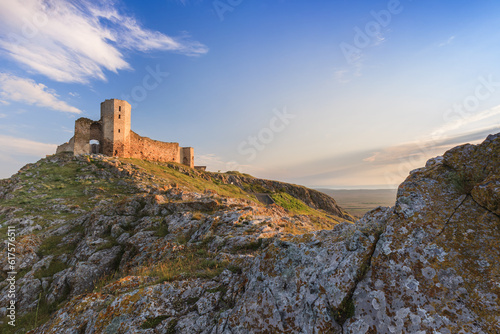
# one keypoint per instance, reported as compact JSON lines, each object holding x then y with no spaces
{"x":95,"y":147}
{"x":95,"y":138}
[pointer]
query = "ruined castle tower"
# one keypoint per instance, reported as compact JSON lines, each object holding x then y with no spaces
{"x":112,"y":136}
{"x":116,"y":120}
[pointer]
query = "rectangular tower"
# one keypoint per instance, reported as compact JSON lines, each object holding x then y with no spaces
{"x":116,"y":119}
{"x":187,"y":156}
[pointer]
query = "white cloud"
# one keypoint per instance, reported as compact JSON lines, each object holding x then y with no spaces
{"x":448,"y":41}
{"x":347,"y":74}
{"x":20,"y":146}
{"x":3,"y":115}
{"x":16,"y":152}
{"x":24,"y":90}
{"x":78,"y":40}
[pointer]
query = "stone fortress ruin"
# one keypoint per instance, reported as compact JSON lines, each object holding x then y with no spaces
{"x":112,"y":136}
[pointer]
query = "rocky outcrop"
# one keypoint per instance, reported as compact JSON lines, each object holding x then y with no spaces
{"x":128,"y":252}
{"x":299,"y":284}
{"x":435,"y":268}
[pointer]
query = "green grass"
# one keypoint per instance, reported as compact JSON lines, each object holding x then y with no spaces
{"x":192,"y":181}
{"x":153,"y":322}
{"x":110,"y":243}
{"x":55,"y":266}
{"x":464,"y":181}
{"x":344,"y":311}
{"x":162,"y":230}
{"x":221,"y":288}
{"x":234,"y":269}
{"x":36,"y":317}
{"x":188,"y":263}
{"x":57,"y":183}
{"x":171,"y":327}
{"x":290,"y":203}
{"x":294,"y":205}
{"x":53,"y":246}
{"x":255,"y":188}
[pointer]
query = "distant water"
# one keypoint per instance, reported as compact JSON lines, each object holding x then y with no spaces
{"x":359,"y":201}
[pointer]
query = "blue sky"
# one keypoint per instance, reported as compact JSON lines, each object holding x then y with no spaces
{"x":342,"y":94}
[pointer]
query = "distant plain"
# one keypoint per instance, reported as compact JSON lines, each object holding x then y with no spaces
{"x":359,"y":201}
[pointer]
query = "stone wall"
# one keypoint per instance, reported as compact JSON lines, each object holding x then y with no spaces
{"x":66,"y":147}
{"x":153,"y":150}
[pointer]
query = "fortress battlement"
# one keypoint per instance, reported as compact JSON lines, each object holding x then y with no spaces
{"x":112,"y":136}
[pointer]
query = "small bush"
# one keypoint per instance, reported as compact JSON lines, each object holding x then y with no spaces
{"x":153,"y":322}
{"x":162,"y":230}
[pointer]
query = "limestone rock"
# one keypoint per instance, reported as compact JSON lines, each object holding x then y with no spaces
{"x":435,"y":267}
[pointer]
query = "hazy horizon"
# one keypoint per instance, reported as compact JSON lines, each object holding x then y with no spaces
{"x":343,"y":95}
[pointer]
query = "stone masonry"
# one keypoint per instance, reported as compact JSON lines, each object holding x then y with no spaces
{"x":112,"y":136}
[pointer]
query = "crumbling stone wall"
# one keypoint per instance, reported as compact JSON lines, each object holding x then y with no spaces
{"x":153,"y":150}
{"x":85,"y":131}
{"x":66,"y":147}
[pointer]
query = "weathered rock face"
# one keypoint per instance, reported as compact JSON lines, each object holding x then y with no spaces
{"x":435,"y":268}
{"x":297,"y":284}
{"x":139,"y":255}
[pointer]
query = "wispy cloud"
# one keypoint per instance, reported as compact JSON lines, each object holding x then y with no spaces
{"x":16,"y":151}
{"x":388,"y":166}
{"x":347,"y":74}
{"x":13,"y":88}
{"x":468,"y":128}
{"x":421,"y":150}
{"x":448,"y":41}
{"x":20,"y":146}
{"x":371,"y":36}
{"x":467,"y":120}
{"x":3,"y":115}
{"x":78,"y":40}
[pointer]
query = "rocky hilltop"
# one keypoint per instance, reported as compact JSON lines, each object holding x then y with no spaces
{"x":107,"y":245}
